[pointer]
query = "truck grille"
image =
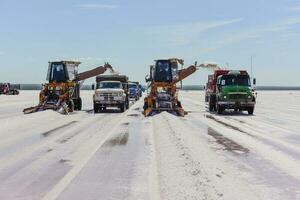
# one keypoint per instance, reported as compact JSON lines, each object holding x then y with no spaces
{"x":236,"y":96}
{"x":107,"y":96}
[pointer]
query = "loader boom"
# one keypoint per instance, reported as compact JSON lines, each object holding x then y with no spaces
{"x":94,"y":72}
{"x":183,"y":73}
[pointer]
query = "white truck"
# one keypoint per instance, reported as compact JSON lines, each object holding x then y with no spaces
{"x":111,"y":91}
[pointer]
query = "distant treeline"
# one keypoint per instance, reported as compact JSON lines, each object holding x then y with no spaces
{"x":185,"y":87}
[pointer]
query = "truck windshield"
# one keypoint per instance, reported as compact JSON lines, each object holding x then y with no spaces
{"x":106,"y":85}
{"x":132,"y":86}
{"x":242,"y":80}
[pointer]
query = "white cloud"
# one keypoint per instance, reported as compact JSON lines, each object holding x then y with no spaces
{"x":295,"y":8}
{"x":98,"y":6}
{"x":183,"y":34}
{"x":283,"y":28}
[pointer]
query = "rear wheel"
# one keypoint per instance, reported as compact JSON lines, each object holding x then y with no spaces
{"x":250,"y":110}
{"x":71,"y":105}
{"x":79,"y":104}
{"x":220,"y":109}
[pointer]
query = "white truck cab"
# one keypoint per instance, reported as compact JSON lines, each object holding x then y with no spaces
{"x":110,"y":93}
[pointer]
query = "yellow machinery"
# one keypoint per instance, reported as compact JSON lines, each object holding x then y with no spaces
{"x":163,"y":96}
{"x":62,"y":92}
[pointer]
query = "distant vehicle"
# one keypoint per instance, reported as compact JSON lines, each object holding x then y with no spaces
{"x":134,"y":90}
{"x":6,"y":88}
{"x":111,"y":91}
{"x":229,"y":89}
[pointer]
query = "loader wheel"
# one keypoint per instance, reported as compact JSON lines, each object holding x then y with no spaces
{"x":250,"y":110}
{"x":78,"y":105}
{"x":71,"y":106}
{"x":179,"y":104}
{"x":145,"y":107}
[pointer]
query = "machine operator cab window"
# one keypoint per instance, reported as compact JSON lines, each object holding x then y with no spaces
{"x":163,"y":71}
{"x":57,"y":72}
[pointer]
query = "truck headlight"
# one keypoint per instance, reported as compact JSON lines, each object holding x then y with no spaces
{"x":249,"y":97}
{"x":225,"y":97}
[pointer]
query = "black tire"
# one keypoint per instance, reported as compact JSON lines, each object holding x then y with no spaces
{"x":212,"y":103}
{"x":220,"y":109}
{"x":250,"y":110}
{"x":179,"y":104}
{"x":79,"y":103}
{"x":122,"y":107}
{"x":145,"y":107}
{"x":96,"y":108}
{"x":211,"y":107}
{"x":127,"y":105}
{"x":71,"y":106}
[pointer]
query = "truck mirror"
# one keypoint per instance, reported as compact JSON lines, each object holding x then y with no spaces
{"x":93,"y":86}
{"x":254,"y":81}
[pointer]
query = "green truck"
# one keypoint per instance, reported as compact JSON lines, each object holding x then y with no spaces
{"x":230,"y":89}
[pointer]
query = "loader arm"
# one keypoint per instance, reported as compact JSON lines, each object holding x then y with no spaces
{"x":94,"y":72}
{"x":183,"y":73}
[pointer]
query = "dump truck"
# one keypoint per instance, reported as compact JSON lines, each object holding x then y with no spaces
{"x":230,"y":89}
{"x":62,"y":91}
{"x":7,"y":89}
{"x":111,"y":91}
{"x":162,"y":80}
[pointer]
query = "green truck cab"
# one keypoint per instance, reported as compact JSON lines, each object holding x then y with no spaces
{"x":230,"y":90}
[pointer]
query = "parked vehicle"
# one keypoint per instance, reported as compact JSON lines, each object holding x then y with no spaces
{"x":7,"y":89}
{"x":111,"y":91}
{"x":230,"y":89}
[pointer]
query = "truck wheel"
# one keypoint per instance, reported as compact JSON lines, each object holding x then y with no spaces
{"x":250,"y":111}
{"x":122,"y":107}
{"x":211,"y":108}
{"x":127,"y":104}
{"x":96,"y":109}
{"x":220,"y":109}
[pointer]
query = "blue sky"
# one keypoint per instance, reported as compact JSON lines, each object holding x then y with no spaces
{"x":131,"y":34}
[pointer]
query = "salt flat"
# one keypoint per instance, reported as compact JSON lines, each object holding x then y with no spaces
{"x":114,"y":155}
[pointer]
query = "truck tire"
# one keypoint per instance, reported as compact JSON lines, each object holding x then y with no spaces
{"x":123,"y":107}
{"x":127,"y":104}
{"x":212,"y":103}
{"x":220,"y":109}
{"x":96,"y":108}
{"x":250,"y":110}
